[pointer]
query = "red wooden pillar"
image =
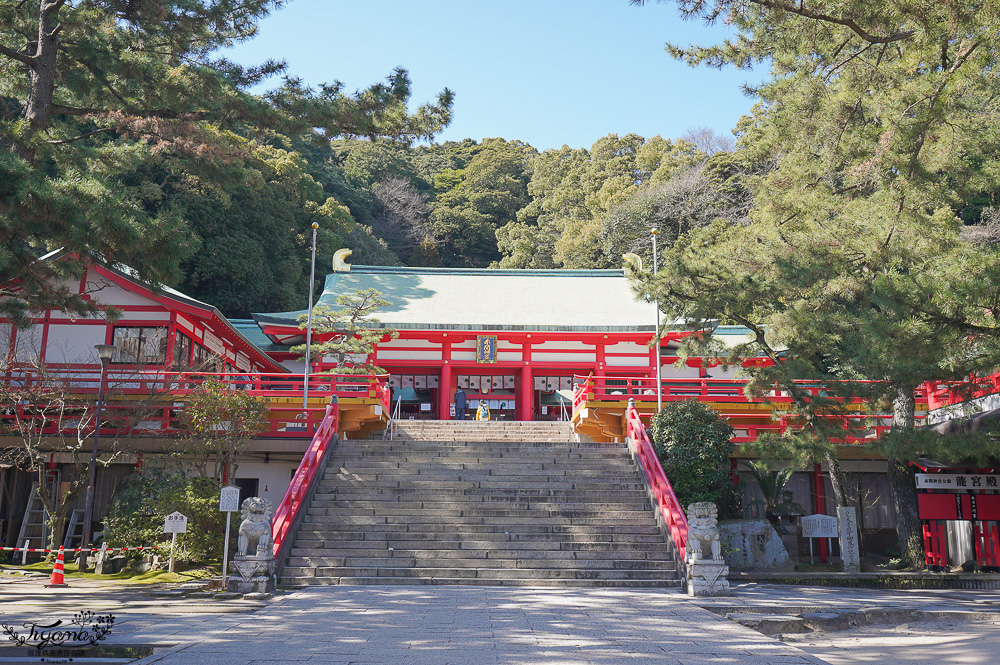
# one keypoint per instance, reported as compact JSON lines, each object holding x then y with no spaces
{"x":935,"y":543}
{"x":526,"y":396}
{"x":446,"y":392}
{"x":820,"y":505}
{"x":986,"y":538}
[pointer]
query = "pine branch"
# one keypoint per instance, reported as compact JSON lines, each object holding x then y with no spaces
{"x":81,"y":136}
{"x":16,"y":55}
{"x":801,"y":10}
{"x":166,"y":114}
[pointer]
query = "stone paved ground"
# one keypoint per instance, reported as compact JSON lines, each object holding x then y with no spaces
{"x":419,"y":625}
{"x":469,"y":626}
{"x":926,"y":643}
{"x":472,"y":625}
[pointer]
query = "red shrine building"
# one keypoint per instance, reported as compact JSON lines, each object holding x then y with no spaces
{"x":156,"y":330}
{"x":515,"y":338}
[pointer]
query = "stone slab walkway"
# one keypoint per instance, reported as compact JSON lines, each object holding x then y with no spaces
{"x":472,"y":626}
{"x":436,"y":625}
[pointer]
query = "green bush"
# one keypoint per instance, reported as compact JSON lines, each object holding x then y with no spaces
{"x":693,"y":444}
{"x":142,"y":501}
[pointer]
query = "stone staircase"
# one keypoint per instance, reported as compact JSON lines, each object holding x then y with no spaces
{"x":483,"y":503}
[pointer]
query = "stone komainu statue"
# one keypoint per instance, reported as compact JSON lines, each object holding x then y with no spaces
{"x":703,"y":532}
{"x":255,"y":529}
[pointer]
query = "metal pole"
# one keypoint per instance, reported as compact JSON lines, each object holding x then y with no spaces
{"x":88,"y":511}
{"x":225,"y":551}
{"x":309,"y":325}
{"x":656,"y":303}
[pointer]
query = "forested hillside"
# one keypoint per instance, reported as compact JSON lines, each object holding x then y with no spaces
{"x":489,"y":203}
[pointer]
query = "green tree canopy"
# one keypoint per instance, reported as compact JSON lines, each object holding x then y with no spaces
{"x":879,"y":121}
{"x":90,"y":90}
{"x":478,"y":199}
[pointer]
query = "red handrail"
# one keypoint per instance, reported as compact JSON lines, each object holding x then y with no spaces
{"x":663,"y":493}
{"x":164,"y":394}
{"x":643,"y":388}
{"x":293,"y":501}
{"x":725,"y":392}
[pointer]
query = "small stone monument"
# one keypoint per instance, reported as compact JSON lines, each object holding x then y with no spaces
{"x":849,"y":550}
{"x":707,"y":571}
{"x":253,"y":562}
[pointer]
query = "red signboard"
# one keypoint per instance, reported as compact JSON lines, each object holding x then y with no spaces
{"x":974,"y":507}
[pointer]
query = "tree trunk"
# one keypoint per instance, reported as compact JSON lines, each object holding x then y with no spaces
{"x":42,"y":75}
{"x":902,"y":485}
{"x":836,"y":478}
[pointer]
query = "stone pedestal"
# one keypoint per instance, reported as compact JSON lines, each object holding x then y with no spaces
{"x":251,"y":574}
{"x":707,"y":577}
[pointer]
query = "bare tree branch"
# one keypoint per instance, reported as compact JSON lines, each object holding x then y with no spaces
{"x":81,"y":136}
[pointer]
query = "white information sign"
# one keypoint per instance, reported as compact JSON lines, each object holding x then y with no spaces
{"x":819,"y":526}
{"x":229,"y":499}
{"x":175,"y":523}
{"x":214,"y":344}
{"x":957,"y":482}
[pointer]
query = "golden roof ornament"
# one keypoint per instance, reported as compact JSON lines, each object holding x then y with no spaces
{"x":340,"y":260}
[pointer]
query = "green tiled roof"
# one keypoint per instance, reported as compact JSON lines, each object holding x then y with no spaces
{"x":254,"y":335}
{"x":481,"y":299}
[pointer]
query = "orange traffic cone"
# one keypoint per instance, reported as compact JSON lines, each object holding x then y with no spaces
{"x":57,"y":572}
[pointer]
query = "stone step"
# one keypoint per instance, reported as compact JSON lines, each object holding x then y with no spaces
{"x":504,"y":440}
{"x":428,"y":562}
{"x":483,"y":456}
{"x":401,"y":466}
{"x":375,"y":581}
{"x":470,"y":519}
{"x":504,"y":503}
{"x":443,"y":530}
{"x":474,"y":545}
{"x":484,"y":573}
{"x":483,"y":504}
{"x":462,"y":535}
{"x":540,"y":480}
{"x":465,"y":511}
{"x":474,"y":494}
{"x":496,"y":483}
{"x":650,"y":553}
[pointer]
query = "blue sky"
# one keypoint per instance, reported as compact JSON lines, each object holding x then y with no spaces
{"x":547,"y":72}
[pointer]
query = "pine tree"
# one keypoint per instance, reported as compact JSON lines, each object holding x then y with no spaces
{"x":91,"y":90}
{"x":349,"y":334}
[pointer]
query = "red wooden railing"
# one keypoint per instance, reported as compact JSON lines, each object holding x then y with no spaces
{"x":730,"y":391}
{"x":666,"y":501}
{"x":298,"y":492}
{"x":947,"y":394}
{"x":610,"y":388}
{"x":151,"y":401}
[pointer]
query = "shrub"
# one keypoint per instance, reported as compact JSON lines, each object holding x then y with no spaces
{"x":693,"y":444}
{"x":142,"y":501}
